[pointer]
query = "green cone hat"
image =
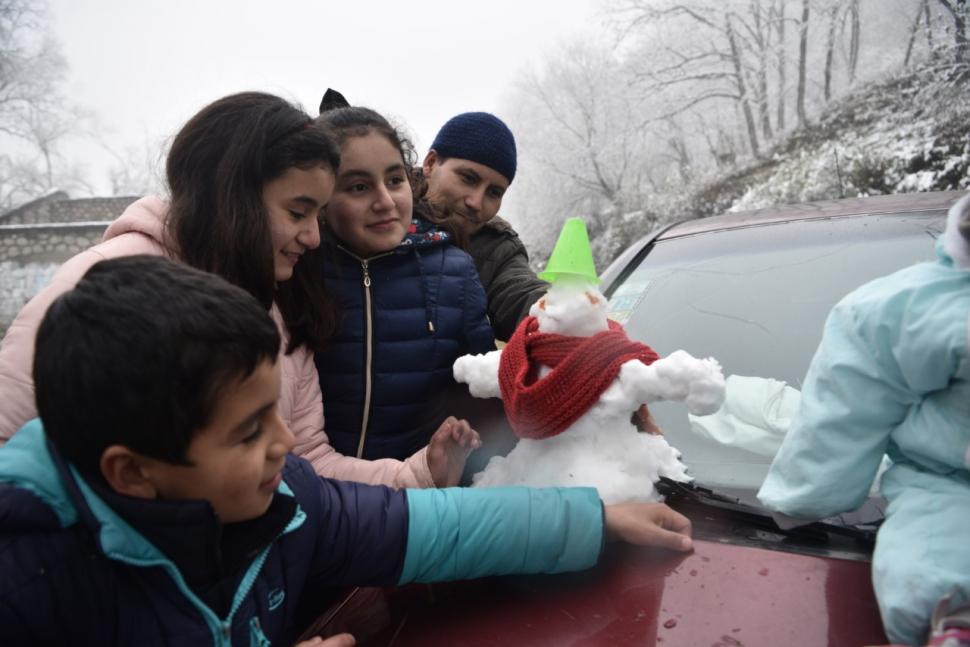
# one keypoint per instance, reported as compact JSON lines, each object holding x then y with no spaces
{"x":572,"y":257}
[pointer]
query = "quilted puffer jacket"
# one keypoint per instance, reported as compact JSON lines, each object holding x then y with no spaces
{"x":82,"y":564}
{"x":408,"y":314}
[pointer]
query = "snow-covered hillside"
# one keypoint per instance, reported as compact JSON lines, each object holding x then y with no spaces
{"x":911,"y":133}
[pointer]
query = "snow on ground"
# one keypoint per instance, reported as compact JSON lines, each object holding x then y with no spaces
{"x":874,"y":149}
{"x":905,"y":134}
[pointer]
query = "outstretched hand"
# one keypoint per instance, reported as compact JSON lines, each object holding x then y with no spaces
{"x":648,"y":524}
{"x":448,"y":449}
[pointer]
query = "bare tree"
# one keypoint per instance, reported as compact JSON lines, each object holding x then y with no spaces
{"x":30,"y":72}
{"x":834,"y":12}
{"x":855,"y":38}
{"x":679,"y":154}
{"x":693,"y":88}
{"x":929,"y":30}
{"x":593,"y":137}
{"x":35,"y":116}
{"x":19,"y":182}
{"x":761,"y":35}
{"x":727,"y":63}
{"x":958,"y":10}
{"x":136,"y":170}
{"x":743,"y":101}
{"x":779,"y":21}
{"x":922,"y":10}
{"x":802,"y":64}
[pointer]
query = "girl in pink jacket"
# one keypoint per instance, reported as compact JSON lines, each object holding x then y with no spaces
{"x":249,"y":176}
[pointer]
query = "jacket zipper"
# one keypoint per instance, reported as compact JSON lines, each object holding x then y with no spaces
{"x":368,"y":345}
{"x":369,"y":351}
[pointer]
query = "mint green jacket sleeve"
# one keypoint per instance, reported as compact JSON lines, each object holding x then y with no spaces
{"x":465,"y":533}
{"x":885,"y":347}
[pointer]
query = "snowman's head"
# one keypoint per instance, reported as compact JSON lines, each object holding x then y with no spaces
{"x":571,"y":307}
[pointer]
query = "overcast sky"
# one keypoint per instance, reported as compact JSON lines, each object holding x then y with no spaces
{"x":145,"y":66}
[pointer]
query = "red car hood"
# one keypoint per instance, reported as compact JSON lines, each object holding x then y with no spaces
{"x":717,"y":595}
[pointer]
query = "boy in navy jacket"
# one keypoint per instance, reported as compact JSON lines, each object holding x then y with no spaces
{"x":155,"y":501}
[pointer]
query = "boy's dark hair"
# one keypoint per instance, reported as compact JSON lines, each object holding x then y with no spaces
{"x":139,"y":353}
{"x":356,"y":121}
{"x":216,"y":170}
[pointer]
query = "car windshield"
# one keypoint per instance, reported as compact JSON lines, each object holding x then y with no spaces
{"x":755,"y":298}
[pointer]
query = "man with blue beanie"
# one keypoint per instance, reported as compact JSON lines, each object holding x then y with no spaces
{"x":470,"y":166}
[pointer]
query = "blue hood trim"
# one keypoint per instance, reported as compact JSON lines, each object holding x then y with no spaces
{"x":26,"y":462}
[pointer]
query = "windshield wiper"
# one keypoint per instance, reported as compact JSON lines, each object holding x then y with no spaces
{"x":688,"y":495}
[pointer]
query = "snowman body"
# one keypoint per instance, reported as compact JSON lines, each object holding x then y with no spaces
{"x":601,"y":448}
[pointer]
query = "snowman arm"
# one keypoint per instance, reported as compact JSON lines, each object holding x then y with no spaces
{"x":480,"y":373}
{"x":680,"y":377}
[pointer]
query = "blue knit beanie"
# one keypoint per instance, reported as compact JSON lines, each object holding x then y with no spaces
{"x":480,"y":137}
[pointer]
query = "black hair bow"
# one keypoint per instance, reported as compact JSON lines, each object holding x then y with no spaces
{"x":332,"y":100}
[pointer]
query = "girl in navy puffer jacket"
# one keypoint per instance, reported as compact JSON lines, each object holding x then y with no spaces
{"x":411,"y":299}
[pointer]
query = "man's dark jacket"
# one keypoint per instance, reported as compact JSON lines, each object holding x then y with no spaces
{"x":511,"y":286}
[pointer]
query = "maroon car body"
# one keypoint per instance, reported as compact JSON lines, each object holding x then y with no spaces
{"x":746,"y":582}
{"x":718,"y":595}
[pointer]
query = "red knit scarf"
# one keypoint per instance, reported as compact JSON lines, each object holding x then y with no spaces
{"x":582,"y":369}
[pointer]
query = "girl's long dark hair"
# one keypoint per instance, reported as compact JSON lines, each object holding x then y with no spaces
{"x":217,"y":222}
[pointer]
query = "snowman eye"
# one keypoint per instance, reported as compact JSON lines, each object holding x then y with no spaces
{"x":542,"y":304}
{"x":593,"y":300}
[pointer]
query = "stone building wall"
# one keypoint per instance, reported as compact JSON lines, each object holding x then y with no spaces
{"x":40,"y":235}
{"x":18,"y":283}
{"x":29,"y":255}
{"x":59,"y":208}
{"x":47,"y":243}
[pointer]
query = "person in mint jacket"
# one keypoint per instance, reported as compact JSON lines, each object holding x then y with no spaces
{"x":155,"y":501}
{"x":892,"y":376}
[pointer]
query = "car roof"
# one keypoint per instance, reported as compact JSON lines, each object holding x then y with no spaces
{"x":879,"y":204}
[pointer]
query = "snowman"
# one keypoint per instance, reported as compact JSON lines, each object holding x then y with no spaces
{"x":569,"y":379}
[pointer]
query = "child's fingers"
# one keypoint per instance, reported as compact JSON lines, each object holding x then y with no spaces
{"x":456,"y":434}
{"x":340,"y":640}
{"x":459,"y":429}
{"x":651,"y":524}
{"x":472,"y":439}
{"x":672,"y":520}
{"x":663,"y":538}
{"x":445,"y":430}
{"x":468,"y":438}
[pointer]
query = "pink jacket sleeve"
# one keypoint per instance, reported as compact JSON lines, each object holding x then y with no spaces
{"x":301,"y":405}
{"x":17,"y":351}
{"x":17,"y":404}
